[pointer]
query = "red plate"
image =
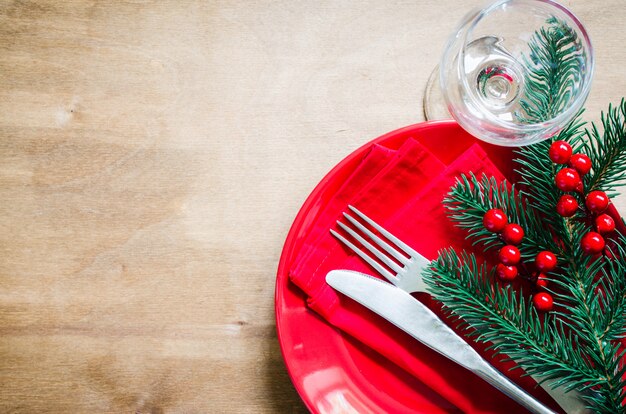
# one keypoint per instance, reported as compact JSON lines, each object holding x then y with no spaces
{"x":332,"y":372}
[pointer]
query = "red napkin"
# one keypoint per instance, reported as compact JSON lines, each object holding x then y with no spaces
{"x":403,"y":191}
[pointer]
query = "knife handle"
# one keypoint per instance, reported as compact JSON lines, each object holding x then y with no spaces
{"x":409,"y":314}
{"x":462,"y":353}
{"x":494,"y":377}
{"x":429,"y":329}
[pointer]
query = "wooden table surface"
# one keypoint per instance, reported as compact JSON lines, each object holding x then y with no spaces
{"x":152,"y":158}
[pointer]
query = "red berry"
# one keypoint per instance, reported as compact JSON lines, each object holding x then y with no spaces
{"x":560,"y":152}
{"x":592,"y":243}
{"x":581,"y":163}
{"x":545,"y":261}
{"x":542,"y":280}
{"x":509,"y":255}
{"x":597,"y":201}
{"x":494,"y":220}
{"x":567,"y":205}
{"x":605,"y":223}
{"x":567,"y":179}
{"x":513,"y":233}
{"x":579,"y":187}
{"x":506,"y":272}
{"x":543,"y":301}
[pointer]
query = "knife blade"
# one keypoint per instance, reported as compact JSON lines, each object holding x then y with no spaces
{"x":407,"y":313}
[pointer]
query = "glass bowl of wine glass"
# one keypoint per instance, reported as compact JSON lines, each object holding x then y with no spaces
{"x":516,"y":71}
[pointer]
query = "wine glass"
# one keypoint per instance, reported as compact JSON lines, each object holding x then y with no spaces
{"x":514,"y":72}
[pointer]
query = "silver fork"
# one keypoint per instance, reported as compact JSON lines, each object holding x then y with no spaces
{"x":406,"y":269}
{"x":408,"y":264}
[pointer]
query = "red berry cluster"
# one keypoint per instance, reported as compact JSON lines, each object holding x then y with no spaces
{"x":545,"y":262}
{"x":512,"y":234}
{"x":496,"y":221}
{"x":568,"y":179}
{"x":509,"y":256}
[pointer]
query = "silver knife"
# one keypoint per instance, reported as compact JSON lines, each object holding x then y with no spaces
{"x":407,"y":313}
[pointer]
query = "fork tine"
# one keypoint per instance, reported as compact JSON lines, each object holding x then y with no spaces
{"x":380,"y":242}
{"x":403,"y":246}
{"x":371,"y":248}
{"x":380,"y":268}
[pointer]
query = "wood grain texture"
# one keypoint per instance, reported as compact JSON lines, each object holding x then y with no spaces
{"x":152,"y":158}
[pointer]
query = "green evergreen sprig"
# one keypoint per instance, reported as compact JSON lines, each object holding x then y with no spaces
{"x":499,"y":315}
{"x":537,"y":170}
{"x":555,"y":67}
{"x":590,"y":293}
{"x":470,"y":198}
{"x":576,"y":345}
{"x":613,"y":304}
{"x":607,"y":150}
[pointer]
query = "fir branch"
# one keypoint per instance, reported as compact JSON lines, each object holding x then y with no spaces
{"x":544,"y":346}
{"x":593,"y":292}
{"x":586,"y":323}
{"x":585,"y":316}
{"x":555,"y":66}
{"x":612,"y":294}
{"x":607,"y":151}
{"x":537,"y":171}
{"x":538,"y":344}
{"x":470,"y":198}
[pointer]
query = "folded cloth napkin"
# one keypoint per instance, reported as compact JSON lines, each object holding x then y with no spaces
{"x":402,"y":190}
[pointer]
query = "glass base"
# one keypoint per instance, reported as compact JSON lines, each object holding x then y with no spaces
{"x":434,"y":105}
